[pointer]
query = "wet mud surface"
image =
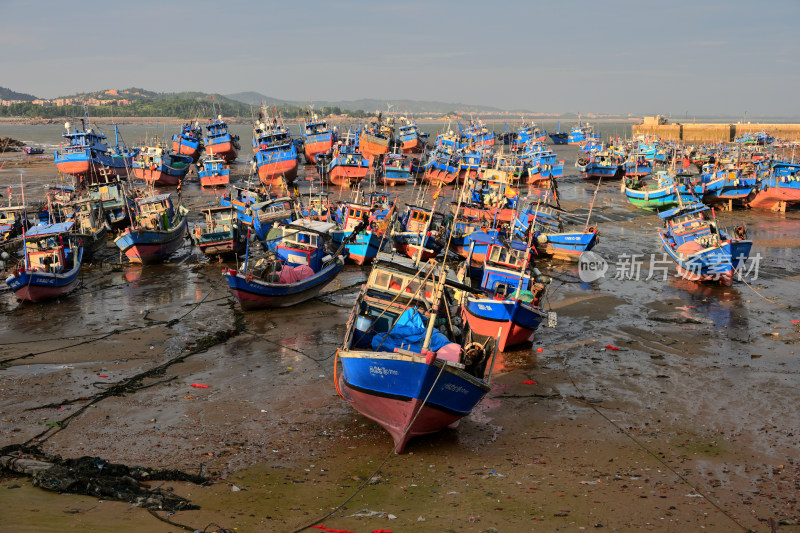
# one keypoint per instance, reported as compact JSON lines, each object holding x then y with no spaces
{"x":656,"y":404}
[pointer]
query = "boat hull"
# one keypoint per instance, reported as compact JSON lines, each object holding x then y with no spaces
{"x":513,"y":321}
{"x":224,"y":150}
{"x":254,"y":293}
{"x":151,"y":247}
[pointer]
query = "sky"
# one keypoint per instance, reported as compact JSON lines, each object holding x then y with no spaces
{"x":677,"y":58}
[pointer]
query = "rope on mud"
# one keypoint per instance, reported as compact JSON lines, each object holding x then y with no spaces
{"x":649,"y":452}
{"x":770,"y":300}
{"x":385,"y":459}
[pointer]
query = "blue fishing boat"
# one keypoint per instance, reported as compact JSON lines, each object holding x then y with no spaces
{"x":263,"y":216}
{"x":703,"y":250}
{"x":189,"y":141}
{"x":347,"y":165}
{"x":33,"y":150}
{"x":52,"y":263}
{"x":275,"y":156}
{"x":477,"y":134}
{"x":658,"y":190}
{"x":442,"y":166}
{"x":213,"y":172}
{"x":219,"y":142}
{"x":111,"y":194}
{"x":395,"y":169}
{"x":511,"y":308}
{"x":601,"y":164}
{"x":301,"y":268}
{"x":410,"y":138}
{"x":87,"y":155}
{"x":157,"y":230}
{"x":11,"y":224}
{"x":318,"y":138}
{"x":397,"y":368}
{"x":362,"y":240}
{"x":550,"y":236}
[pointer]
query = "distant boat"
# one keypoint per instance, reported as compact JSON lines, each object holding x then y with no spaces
{"x":33,"y":150}
{"x":411,"y":140}
{"x":375,"y":138}
{"x":158,"y":230}
{"x":52,"y":263}
{"x":303,"y":266}
{"x":159,"y":166}
{"x":347,"y":165}
{"x":189,"y":141}
{"x":213,"y":172}
{"x":219,"y":142}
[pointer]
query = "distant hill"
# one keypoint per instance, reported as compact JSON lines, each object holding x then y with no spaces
{"x":8,"y":94}
{"x":366,"y":104}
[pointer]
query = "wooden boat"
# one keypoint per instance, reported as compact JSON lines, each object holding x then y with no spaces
{"x":397,"y":369}
{"x":477,"y":134}
{"x":90,"y":224}
{"x":317,"y":206}
{"x":52,"y":263}
{"x":214,"y":173}
{"x":660,"y":190}
{"x":442,"y":167}
{"x":299,"y":270}
{"x":219,"y":142}
{"x":550,"y":236}
{"x":189,"y":141}
{"x":161,"y":167}
{"x":221,"y":234}
{"x":411,"y":140}
{"x":158,"y":229}
{"x":33,"y":150}
{"x":779,"y":190}
{"x":11,"y":225}
{"x":510,"y":309}
{"x":702,"y":250}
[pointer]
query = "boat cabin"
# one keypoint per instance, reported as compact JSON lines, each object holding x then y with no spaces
{"x":353,"y":215}
{"x":691,"y":223}
{"x":502,"y":270}
{"x":47,"y":247}
{"x":155,"y":213}
{"x":417,"y":219}
{"x":303,"y":243}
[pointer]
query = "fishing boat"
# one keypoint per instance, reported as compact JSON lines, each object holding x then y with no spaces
{"x":375,"y":139}
{"x":219,"y":142}
{"x":90,"y":224}
{"x":243,"y":198}
{"x":362,"y":241}
{"x":189,"y":141}
{"x":395,"y":169}
{"x":111,"y":194}
{"x":397,"y":368}
{"x":551,"y":238}
{"x":33,"y":150}
{"x":317,"y":206}
{"x":157,"y":230}
{"x":275,"y":154}
{"x":300,"y":268}
{"x":52,"y":263}
{"x":213,"y":172}
{"x":87,"y":156}
{"x":11,"y":224}
{"x":221,"y":233}
{"x":510,"y":309}
{"x":417,"y":234}
{"x":600,"y":164}
{"x":777,"y":193}
{"x":442,"y":167}
{"x":412,"y":141}
{"x":161,"y":167}
{"x":347,"y":165}
{"x":636,"y":165}
{"x":264,"y":216}
{"x":477,"y":134}
{"x":318,"y":138}
{"x":659,"y":190}
{"x":703,"y":250}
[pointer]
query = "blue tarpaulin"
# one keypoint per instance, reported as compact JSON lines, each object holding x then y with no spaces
{"x":408,"y":333}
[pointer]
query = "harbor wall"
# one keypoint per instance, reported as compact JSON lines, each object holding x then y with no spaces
{"x":715,"y":132}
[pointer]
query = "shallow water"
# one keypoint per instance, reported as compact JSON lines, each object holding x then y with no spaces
{"x":699,"y":355}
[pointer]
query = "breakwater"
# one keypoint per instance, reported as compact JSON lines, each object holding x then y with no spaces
{"x":715,"y":132}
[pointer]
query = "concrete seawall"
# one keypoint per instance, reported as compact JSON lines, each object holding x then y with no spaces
{"x":715,"y":132}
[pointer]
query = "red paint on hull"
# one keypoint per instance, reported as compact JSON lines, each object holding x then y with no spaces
{"x":271,"y":173}
{"x":314,"y":149}
{"x":435,"y":177}
{"x":371,"y":146}
{"x":76,"y":168}
{"x":225,"y":151}
{"x":512,"y":334}
{"x":215,"y":181}
{"x":36,"y":293}
{"x":155,"y":177}
{"x":411,"y":250}
{"x":182,"y":149}
{"x":394,"y":415}
{"x":413,"y":147}
{"x":343,"y":176}
{"x":725,"y":278}
{"x":772,"y":197}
